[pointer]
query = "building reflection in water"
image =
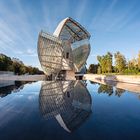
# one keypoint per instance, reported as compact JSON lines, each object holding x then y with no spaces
{"x":67,"y":101}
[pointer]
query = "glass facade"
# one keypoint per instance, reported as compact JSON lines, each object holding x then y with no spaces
{"x":50,"y":53}
{"x":80,"y":51}
{"x":67,"y":49}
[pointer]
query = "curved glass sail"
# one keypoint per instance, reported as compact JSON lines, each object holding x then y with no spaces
{"x":80,"y":51}
{"x":50,"y":53}
{"x":78,"y":37}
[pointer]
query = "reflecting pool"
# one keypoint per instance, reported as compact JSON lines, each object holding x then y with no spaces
{"x":46,"y":110}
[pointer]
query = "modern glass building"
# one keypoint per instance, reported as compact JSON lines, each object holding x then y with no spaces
{"x":66,"y":51}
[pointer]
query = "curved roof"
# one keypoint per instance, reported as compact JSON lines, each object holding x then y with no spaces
{"x":74,"y":27}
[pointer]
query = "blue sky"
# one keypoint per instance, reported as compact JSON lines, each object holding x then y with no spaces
{"x":114,"y":25}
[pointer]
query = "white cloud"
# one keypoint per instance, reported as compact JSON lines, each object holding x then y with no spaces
{"x":28,"y":52}
{"x":81,"y":9}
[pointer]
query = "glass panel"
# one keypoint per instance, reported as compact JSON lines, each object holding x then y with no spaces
{"x":50,"y":53}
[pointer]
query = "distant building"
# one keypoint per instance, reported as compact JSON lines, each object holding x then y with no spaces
{"x":66,"y":51}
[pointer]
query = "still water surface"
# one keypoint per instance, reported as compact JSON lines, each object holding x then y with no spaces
{"x":68,"y":110}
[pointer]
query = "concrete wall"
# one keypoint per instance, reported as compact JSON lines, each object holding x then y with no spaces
{"x":119,"y":78}
{"x":4,"y":83}
{"x":23,"y":77}
{"x":129,"y":85}
{"x":6,"y":73}
{"x":70,"y":75}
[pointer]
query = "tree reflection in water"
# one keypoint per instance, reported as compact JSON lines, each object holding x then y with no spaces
{"x":105,"y":89}
{"x":12,"y":86}
{"x":109,"y":89}
{"x":119,"y":92}
{"x":69,"y":102}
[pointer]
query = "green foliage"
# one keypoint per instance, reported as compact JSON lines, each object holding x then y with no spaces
{"x":139,"y":60}
{"x":105,"y":89}
{"x":131,"y":71}
{"x":119,"y":92}
{"x":109,"y":62}
{"x":5,"y":63}
{"x":17,"y":66}
{"x":120,"y":62}
{"x":121,"y":65}
{"x":132,"y":64}
{"x":109,"y":90}
{"x":102,"y":63}
{"x":99,"y":71}
{"x":92,"y":68}
{"x":105,"y":62}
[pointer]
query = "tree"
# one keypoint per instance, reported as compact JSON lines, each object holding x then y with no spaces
{"x":139,"y":60}
{"x":102,"y":63}
{"x":22,"y":69}
{"x":93,"y":68}
{"x":17,"y":66}
{"x":5,"y":62}
{"x":105,"y":62}
{"x":132,"y":64}
{"x":120,"y":62}
{"x":99,"y":71}
{"x":105,"y":89}
{"x":109,"y":62}
{"x":119,"y":92}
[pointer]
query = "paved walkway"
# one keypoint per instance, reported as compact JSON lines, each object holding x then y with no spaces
{"x":130,"y":83}
{"x":23,"y":77}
